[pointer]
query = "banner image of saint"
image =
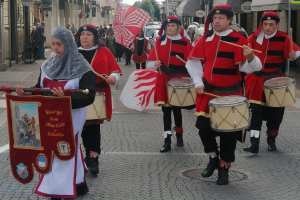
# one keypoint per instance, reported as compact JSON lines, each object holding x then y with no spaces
{"x":26,"y":125}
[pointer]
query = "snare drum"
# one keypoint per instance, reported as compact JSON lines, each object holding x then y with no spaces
{"x":229,"y":113}
{"x":280,"y":92}
{"x":97,"y":110}
{"x":181,"y":92}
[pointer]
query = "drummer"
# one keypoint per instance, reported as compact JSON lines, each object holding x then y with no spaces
{"x":276,"y":49}
{"x":168,"y":46}
{"x":102,"y":62}
{"x":222,"y":76}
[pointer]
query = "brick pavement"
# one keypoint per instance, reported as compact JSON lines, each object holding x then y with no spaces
{"x":131,"y":167}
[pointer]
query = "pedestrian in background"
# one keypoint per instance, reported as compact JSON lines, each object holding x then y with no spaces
{"x":109,"y":29}
{"x":40,"y":41}
{"x":140,"y":48}
{"x":197,"y":36}
{"x":101,"y":31}
{"x":111,"y":42}
{"x":128,"y":54}
{"x":119,"y":51}
{"x":73,"y":29}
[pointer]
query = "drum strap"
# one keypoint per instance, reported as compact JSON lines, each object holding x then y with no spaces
{"x":222,"y":90}
{"x":269,"y":74}
{"x":173,"y":70}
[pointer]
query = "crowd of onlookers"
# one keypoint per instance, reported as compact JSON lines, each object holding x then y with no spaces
{"x":106,"y":35}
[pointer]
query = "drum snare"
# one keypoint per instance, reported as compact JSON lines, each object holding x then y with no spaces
{"x":280,"y":92}
{"x":181,"y":92}
{"x":229,"y":113}
{"x":97,"y":110}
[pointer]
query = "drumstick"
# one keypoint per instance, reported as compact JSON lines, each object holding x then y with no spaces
{"x":239,"y":46}
{"x":177,"y":56}
{"x":212,"y":95}
{"x":100,"y":76}
{"x":159,"y":70}
{"x":291,"y":36}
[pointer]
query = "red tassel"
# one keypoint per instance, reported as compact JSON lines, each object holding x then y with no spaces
{"x":6,"y":89}
{"x":207,"y":22}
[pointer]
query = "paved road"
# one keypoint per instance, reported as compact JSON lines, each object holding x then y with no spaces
{"x":131,"y":167}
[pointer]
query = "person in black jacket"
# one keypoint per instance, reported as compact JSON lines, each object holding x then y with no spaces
{"x":40,"y":40}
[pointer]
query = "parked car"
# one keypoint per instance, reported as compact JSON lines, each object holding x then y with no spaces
{"x":149,"y":30}
{"x":153,"y":37}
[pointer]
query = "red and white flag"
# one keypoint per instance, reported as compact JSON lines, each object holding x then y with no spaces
{"x":138,"y":91}
{"x":128,"y":22}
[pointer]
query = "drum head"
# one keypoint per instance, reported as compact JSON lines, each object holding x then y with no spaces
{"x":228,"y":100}
{"x":184,"y":82}
{"x":278,"y":82}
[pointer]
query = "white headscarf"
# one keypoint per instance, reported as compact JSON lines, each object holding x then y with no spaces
{"x":71,"y":64}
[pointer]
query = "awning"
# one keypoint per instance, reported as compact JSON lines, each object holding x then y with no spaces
{"x":263,"y":5}
{"x":189,"y":8}
{"x":235,"y":4}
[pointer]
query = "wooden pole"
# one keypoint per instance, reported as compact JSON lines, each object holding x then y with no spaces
{"x":159,"y":70}
{"x":99,"y":75}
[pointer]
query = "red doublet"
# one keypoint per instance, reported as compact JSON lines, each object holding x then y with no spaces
{"x":274,"y":53}
{"x":166,"y":54}
{"x":104,"y":63}
{"x":221,"y":65}
{"x":143,"y":57}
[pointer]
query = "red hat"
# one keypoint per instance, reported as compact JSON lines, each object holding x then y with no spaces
{"x":219,"y":9}
{"x":266,"y":16}
{"x":88,"y":27}
{"x":172,"y":19}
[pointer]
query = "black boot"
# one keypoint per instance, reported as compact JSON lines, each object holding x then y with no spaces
{"x":94,"y":165}
{"x":167,"y":145}
{"x":254,"y":146}
{"x":82,"y":189}
{"x":223,"y":176}
{"x":211,"y":166}
{"x":179,"y":139}
{"x":55,"y":198}
{"x":271,"y":143}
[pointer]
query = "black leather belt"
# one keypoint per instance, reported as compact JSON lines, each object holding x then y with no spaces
{"x":174,"y":71}
{"x":222,"y":90}
{"x":269,"y":74}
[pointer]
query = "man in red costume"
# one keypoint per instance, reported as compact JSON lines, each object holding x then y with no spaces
{"x":168,"y":46}
{"x":222,"y":76}
{"x":276,"y":49}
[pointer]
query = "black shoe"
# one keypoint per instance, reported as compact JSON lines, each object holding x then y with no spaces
{"x":211,"y":166}
{"x":126,"y":64}
{"x":254,"y":146}
{"x":271,"y":143}
{"x":82,"y":189}
{"x":56,"y":198}
{"x":129,"y":63}
{"x":179,"y":139}
{"x":167,"y":145}
{"x":223,"y":176}
{"x":94,"y":165}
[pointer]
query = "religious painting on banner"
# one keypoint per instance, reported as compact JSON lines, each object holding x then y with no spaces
{"x":39,"y":128}
{"x":129,"y":20}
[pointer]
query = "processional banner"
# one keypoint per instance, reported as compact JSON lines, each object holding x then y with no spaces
{"x":39,"y":128}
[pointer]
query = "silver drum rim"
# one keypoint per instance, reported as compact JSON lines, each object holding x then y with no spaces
{"x":277,"y":87}
{"x":229,"y":104}
{"x":189,"y":86}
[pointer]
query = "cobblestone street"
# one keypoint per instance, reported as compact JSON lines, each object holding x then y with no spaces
{"x":131,"y":166}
